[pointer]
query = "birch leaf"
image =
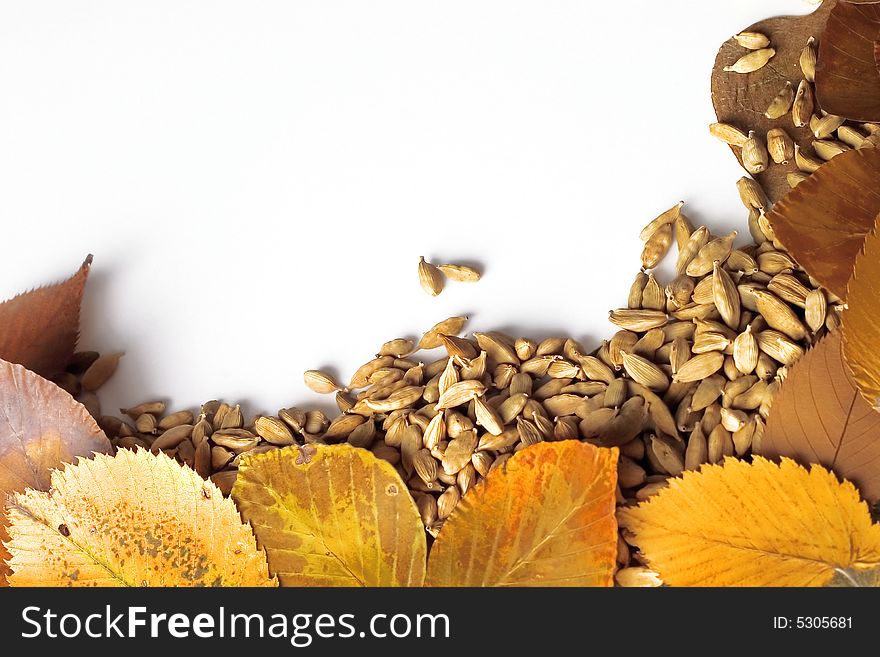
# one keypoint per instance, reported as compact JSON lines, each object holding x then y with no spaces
{"x":818,"y":416}
{"x":41,"y":428}
{"x":40,"y":328}
{"x":544,"y":518}
{"x":861,"y":320}
{"x":332,"y":515}
{"x":754,"y":524}
{"x":136,"y":519}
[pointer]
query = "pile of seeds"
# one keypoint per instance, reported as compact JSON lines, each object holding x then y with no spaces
{"x":757,"y":153}
{"x":687,"y":379}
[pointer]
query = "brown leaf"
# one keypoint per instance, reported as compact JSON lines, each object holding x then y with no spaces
{"x":847,"y":78}
{"x":741,"y":99}
{"x":41,"y":327}
{"x":861,"y":320}
{"x":818,"y":416}
{"x":41,"y":428}
{"x":824,"y":220}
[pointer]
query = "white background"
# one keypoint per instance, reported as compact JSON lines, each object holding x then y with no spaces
{"x":257,"y":179}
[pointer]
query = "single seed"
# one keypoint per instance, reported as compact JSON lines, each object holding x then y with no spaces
{"x":828,"y":149}
{"x":826,"y":126}
{"x":664,"y":219}
{"x":449,"y":326}
{"x":804,"y":162}
{"x":728,"y":134}
{"x":100,"y":371}
{"x":807,"y":60}
{"x":751,"y":193}
{"x":320,"y":382}
{"x":781,"y":103}
{"x":657,"y":246}
{"x":460,"y":273}
{"x":755,"y":158}
{"x":780,"y":146}
{"x":430,"y":278}
{"x":802,"y":108}
{"x":752,"y":40}
{"x":751,"y":62}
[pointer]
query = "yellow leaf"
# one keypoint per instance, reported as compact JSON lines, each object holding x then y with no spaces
{"x":332,"y":515}
{"x":758,"y":524}
{"x":136,"y":519}
{"x":544,"y":518}
{"x":861,"y":319}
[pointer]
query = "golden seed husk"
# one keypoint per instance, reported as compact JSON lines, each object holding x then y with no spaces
{"x":698,"y":239}
{"x":718,"y":249}
{"x":664,"y":219}
{"x":634,"y":300}
{"x":751,"y":193}
{"x":828,"y":149}
{"x":805,"y":162}
{"x":728,"y":134}
{"x":657,"y":246}
{"x":100,"y":371}
{"x":807,"y":60}
{"x":780,"y":146}
{"x":645,"y":372}
{"x":752,"y":40}
{"x":398,"y":347}
{"x":699,"y":367}
{"x":755,"y":157}
{"x":795,"y":178}
{"x":653,"y":296}
{"x":430,"y":277}
{"x":461,"y":393}
{"x":816,"y":308}
{"x":826,"y":126}
{"x":726,"y":296}
{"x":449,"y":326}
{"x":460,"y":273}
{"x":779,"y":315}
{"x":779,"y":347}
{"x":745,"y":351}
{"x":320,"y":382}
{"x":850,"y":136}
{"x":802,"y":108}
{"x":781,"y":103}
{"x":638,"y":320}
{"x":751,"y":62}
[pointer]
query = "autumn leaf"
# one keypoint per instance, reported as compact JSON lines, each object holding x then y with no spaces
{"x":544,"y":518}
{"x":136,"y":519}
{"x":41,"y":428}
{"x":823,"y":221}
{"x":332,"y":515}
{"x":847,"y":78}
{"x":861,"y":320}
{"x":741,"y":99}
{"x":40,"y":328}
{"x":818,"y":416}
{"x":754,"y":524}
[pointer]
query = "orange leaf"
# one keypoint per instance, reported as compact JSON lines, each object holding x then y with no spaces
{"x":847,"y":78}
{"x":818,"y":416}
{"x":40,"y":328}
{"x":544,"y":518}
{"x":824,"y":220}
{"x":41,"y":428}
{"x":741,"y":99}
{"x":861,"y":320}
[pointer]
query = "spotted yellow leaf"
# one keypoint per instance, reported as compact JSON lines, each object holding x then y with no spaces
{"x":136,"y":519}
{"x":332,"y":515}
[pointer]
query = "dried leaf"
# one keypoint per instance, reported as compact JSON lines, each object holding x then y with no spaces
{"x":861,"y":319}
{"x":818,"y":416}
{"x":136,"y":519}
{"x":544,"y":518}
{"x":41,"y":428}
{"x":41,"y":327}
{"x":754,"y":524}
{"x":823,"y":221}
{"x":847,"y":78}
{"x":340,"y":517}
{"x":741,"y":99}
